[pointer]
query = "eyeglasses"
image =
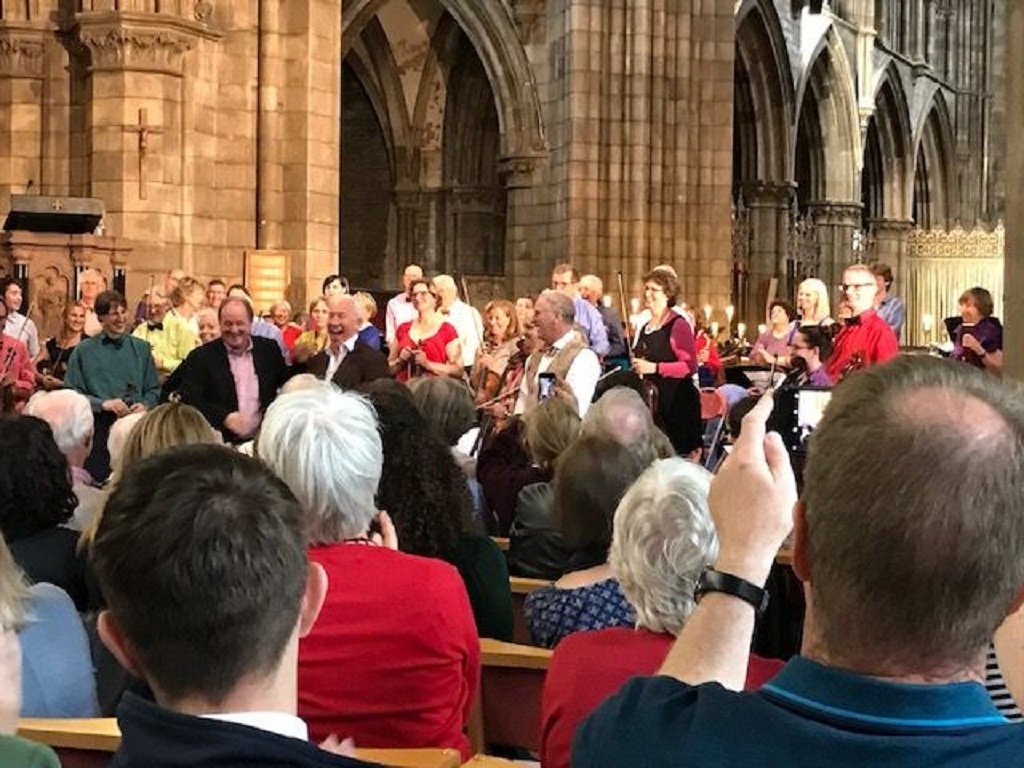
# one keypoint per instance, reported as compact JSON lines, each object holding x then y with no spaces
{"x":420,"y":293}
{"x":847,"y":287}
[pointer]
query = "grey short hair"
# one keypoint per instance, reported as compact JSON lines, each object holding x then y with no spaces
{"x":446,"y":403}
{"x":663,"y":537}
{"x":325,"y":445}
{"x":69,"y":415}
{"x":914,"y":502}
{"x":560,"y":304}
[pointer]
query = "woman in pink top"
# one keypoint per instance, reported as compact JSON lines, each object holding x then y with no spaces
{"x":663,"y":538}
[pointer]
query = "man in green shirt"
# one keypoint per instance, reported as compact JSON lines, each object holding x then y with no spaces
{"x":116,"y":372}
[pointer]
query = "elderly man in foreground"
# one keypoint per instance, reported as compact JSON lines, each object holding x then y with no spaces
{"x":907,"y":539}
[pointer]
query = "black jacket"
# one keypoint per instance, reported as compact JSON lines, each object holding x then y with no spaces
{"x":361,"y":365}
{"x":207,"y":383}
{"x":536,"y":549}
{"x":155,"y":737}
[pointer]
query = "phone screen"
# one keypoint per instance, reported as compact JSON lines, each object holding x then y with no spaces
{"x":546,"y":383}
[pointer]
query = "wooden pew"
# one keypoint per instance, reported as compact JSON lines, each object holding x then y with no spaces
{"x":486,"y":761}
{"x":90,"y":744}
{"x":521,"y":587}
{"x":511,"y":684}
{"x":502,"y":542}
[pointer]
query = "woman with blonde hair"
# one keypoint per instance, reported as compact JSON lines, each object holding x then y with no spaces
{"x":56,"y":666}
{"x":52,"y":363}
{"x":187,"y":298}
{"x":812,"y":303}
{"x":368,"y":332}
{"x":501,"y":343}
{"x":166,"y":426}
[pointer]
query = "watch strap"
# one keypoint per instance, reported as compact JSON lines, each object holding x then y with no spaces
{"x":717,"y":581}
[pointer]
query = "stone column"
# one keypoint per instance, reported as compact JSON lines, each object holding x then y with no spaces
{"x":1014,"y":280}
{"x":527,"y":262}
{"x":299,"y":142}
{"x":408,"y":206}
{"x":891,"y":238}
{"x":135,"y":126}
{"x":769,"y":205}
{"x":22,"y":49}
{"x":835,"y":222}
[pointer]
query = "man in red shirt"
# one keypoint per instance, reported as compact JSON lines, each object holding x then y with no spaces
{"x":865,"y":339}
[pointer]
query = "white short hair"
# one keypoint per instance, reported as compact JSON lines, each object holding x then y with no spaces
{"x":69,"y":415}
{"x":118,"y":438}
{"x":325,"y":445}
{"x":663,"y":537}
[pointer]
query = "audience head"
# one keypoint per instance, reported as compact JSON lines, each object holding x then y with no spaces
{"x":411,"y":273}
{"x":334,"y":285}
{"x":157,"y":305}
{"x":814,"y":344}
{"x":446,"y":404}
{"x":553,"y":315}
{"x":90,"y":283}
{"x":342,"y":318}
{"x":209,"y":324}
{"x":166,"y":426}
{"x":35,"y":484}
{"x":549,"y":429}
{"x":326,"y":445}
{"x":501,"y":321}
{"x":74,"y":318}
{"x":367,"y":306}
{"x":591,"y":289}
{"x":591,"y":477}
{"x":975,"y":305}
{"x":564,"y":279}
{"x":69,"y":415}
{"x":112,"y":311}
{"x":621,"y":415}
{"x":666,"y":281}
{"x":859,"y":288}
{"x":663,"y":538}
{"x":883,"y":277}
{"x":188,"y":294}
{"x":201,"y":558}
{"x":118,"y":437}
{"x":216,"y":291}
{"x":422,"y":486}
{"x":812,"y":301}
{"x":911,"y":518}
{"x":236,"y":323}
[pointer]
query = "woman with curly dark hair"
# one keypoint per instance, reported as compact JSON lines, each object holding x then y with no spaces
{"x":36,"y":499}
{"x":425,"y":492}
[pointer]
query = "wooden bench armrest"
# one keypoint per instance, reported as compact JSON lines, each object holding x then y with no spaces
{"x":412,"y":758}
{"x":495,"y":653}
{"x":99,"y":734}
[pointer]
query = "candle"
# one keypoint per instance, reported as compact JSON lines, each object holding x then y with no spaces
{"x":741,"y":330}
{"x":729,"y":312}
{"x":634,"y":305}
{"x":928,"y":321}
{"x":714,"y":330}
{"x":707,"y":313}
{"x":762,"y":329}
{"x":606,"y":300}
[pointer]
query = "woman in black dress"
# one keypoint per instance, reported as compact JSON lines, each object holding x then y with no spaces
{"x":666,"y":356}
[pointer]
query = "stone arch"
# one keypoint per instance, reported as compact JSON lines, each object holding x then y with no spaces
{"x":764,"y":91}
{"x":432,"y":99}
{"x":934,"y":177}
{"x":827,"y":168}
{"x":495,"y":38}
{"x":888,"y":147}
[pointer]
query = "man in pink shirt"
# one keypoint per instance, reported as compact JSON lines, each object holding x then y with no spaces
{"x":233,"y":379}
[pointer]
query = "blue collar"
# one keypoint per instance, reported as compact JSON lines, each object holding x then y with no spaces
{"x":870,"y":704}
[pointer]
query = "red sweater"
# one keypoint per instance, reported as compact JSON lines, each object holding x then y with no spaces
{"x":588,"y":667}
{"x":394,"y":658}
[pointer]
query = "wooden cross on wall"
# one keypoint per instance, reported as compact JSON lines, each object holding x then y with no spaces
{"x":144,"y":131}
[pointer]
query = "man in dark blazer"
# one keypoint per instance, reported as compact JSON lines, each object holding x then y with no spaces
{"x":346,"y":361}
{"x":232,"y":380}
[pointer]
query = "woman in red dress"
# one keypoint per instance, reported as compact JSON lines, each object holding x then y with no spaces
{"x":428,"y":345}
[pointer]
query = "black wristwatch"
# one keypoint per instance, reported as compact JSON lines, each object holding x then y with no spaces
{"x":716,"y":581}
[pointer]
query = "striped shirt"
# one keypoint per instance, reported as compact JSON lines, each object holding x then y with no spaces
{"x":997,"y":690}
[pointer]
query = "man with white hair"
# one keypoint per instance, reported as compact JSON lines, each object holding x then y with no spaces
{"x":400,"y":309}
{"x":346,"y":361}
{"x":465,"y":318}
{"x":69,"y":415}
{"x":592,"y":291}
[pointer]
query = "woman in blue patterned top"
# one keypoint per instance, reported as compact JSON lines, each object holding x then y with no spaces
{"x":591,"y":478}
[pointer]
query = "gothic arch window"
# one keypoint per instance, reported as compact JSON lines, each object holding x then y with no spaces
{"x":933,"y":174}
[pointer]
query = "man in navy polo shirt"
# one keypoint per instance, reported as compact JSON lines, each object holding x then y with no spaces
{"x":907,"y":539}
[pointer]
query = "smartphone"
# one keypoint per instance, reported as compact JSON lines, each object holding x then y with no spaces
{"x":546,"y":384}
{"x":797,"y":414}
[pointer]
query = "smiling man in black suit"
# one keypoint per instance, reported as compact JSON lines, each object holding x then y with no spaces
{"x":232,"y":380}
{"x":347,"y":361}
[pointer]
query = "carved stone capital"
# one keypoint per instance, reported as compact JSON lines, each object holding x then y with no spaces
{"x":889,"y":228}
{"x":836,"y":213}
{"x":22,"y":51}
{"x":519,"y":171}
{"x":770,"y":194}
{"x":139,"y":42}
{"x":529,"y":16}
